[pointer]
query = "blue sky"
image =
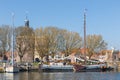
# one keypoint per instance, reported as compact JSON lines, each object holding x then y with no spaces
{"x":103,"y":16}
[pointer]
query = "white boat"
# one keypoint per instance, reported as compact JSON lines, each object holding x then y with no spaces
{"x":56,"y":67}
{"x":96,"y":66}
{"x":11,"y":67}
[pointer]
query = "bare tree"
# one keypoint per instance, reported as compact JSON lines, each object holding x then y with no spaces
{"x":52,"y":39}
{"x":5,"y":40}
{"x":95,"y":43}
{"x":25,"y":41}
{"x":40,"y":42}
{"x":46,"y":40}
{"x":72,"y":41}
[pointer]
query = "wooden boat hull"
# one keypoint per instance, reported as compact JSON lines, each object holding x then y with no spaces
{"x":78,"y":67}
{"x":90,"y":68}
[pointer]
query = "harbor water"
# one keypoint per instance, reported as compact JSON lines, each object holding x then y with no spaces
{"x":61,"y":76}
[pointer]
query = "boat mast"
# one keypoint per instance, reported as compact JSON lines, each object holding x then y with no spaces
{"x":85,"y":34}
{"x":12,"y":41}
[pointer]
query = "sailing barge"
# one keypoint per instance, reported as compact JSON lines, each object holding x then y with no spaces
{"x":91,"y":68}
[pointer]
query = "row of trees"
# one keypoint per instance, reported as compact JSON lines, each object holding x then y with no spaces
{"x":48,"y":40}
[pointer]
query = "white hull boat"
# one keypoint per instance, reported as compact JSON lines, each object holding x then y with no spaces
{"x":12,"y":69}
{"x":56,"y":67}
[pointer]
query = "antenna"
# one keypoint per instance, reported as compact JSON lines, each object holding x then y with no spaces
{"x":26,"y":13}
{"x":13,"y":15}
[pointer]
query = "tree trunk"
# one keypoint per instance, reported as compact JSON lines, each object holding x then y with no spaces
{"x":21,"y":58}
{"x":33,"y":57}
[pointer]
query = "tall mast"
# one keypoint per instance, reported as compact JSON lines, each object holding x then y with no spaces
{"x":85,"y":33}
{"x":12,"y":41}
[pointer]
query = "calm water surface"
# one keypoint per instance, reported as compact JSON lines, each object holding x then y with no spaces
{"x":61,"y":76}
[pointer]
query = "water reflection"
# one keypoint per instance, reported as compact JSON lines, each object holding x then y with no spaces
{"x":61,"y":76}
{"x":6,"y":76}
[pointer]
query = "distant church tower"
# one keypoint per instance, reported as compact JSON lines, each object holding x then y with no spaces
{"x":26,"y":22}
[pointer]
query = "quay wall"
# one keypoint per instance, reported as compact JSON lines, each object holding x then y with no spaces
{"x":114,"y":64}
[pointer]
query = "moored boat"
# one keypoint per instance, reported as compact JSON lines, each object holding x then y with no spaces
{"x":91,"y":68}
{"x":11,"y":66}
{"x":78,"y":67}
{"x":11,"y":69}
{"x":56,"y":67}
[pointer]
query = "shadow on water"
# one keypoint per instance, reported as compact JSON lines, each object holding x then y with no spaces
{"x":61,"y":76}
